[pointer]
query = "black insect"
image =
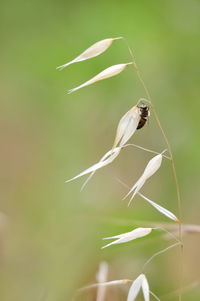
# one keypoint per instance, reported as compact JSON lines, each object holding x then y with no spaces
{"x":144,"y":114}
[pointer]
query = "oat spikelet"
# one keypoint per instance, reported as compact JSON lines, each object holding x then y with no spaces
{"x":139,"y":283}
{"x":108,"y":72}
{"x":125,"y":237}
{"x":94,"y":50}
{"x":153,"y":165}
{"x":127,"y":126}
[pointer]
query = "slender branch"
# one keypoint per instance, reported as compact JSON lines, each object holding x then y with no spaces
{"x":191,"y":286}
{"x":105,"y":284}
{"x":102,"y":277}
{"x":155,"y":297}
{"x":158,"y":253}
{"x":128,"y":281}
{"x":172,"y":160}
{"x":146,"y":149}
{"x":186,"y":228}
{"x":169,"y":233}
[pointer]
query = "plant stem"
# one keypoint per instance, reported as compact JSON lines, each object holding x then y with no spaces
{"x":146,"y":149}
{"x":172,"y":160}
{"x":158,"y":253}
{"x":105,"y":284}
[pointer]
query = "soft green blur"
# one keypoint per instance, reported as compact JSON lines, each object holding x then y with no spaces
{"x":50,"y":233}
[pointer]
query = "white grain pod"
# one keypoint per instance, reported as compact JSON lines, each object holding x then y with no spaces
{"x":105,"y":160}
{"x":126,"y":237}
{"x":161,"y":209}
{"x":153,"y":165}
{"x":93,"y":51}
{"x":127,"y":126}
{"x":108,"y":72}
{"x":140,"y":282}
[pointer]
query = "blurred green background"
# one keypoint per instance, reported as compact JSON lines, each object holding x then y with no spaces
{"x":50,"y":233}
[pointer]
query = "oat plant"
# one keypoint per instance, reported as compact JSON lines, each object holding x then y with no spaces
{"x":134,"y":119}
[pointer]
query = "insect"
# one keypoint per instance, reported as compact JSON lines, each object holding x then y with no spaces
{"x":144,"y":114}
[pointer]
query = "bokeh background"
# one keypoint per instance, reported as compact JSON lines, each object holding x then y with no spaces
{"x":50,"y":233}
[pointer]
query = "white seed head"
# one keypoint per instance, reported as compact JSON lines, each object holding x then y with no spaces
{"x":161,"y":209}
{"x":105,"y":160}
{"x":138,"y":283}
{"x":108,"y":72}
{"x":153,"y":165}
{"x":94,"y":50}
{"x":145,"y":288}
{"x":127,"y":126}
{"x":126,"y":237}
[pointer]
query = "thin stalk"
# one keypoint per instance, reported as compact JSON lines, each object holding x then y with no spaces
{"x":191,"y":286}
{"x":158,"y":253}
{"x":146,"y":149}
{"x":102,"y":277}
{"x":186,"y":228}
{"x":101,"y":285}
{"x":172,"y":160}
{"x":169,"y":233}
{"x":154,"y":295}
{"x":105,"y":284}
